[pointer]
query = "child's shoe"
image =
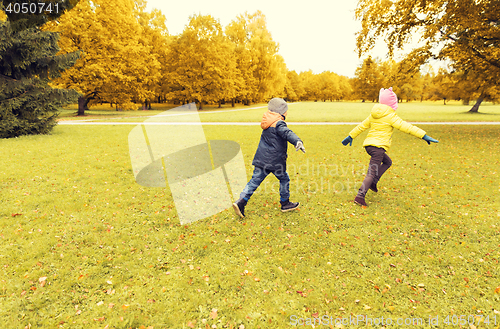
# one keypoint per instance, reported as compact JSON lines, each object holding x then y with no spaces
{"x":360,"y":201}
{"x":374,"y":187}
{"x":239,"y":207}
{"x":288,"y":206}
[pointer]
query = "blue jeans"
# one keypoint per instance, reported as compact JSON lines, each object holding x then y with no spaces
{"x":259,"y":174}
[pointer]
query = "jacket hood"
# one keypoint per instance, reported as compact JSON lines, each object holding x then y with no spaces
{"x":381,"y":110}
{"x":269,"y":119}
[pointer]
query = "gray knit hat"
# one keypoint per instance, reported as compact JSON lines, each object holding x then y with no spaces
{"x":277,"y":105}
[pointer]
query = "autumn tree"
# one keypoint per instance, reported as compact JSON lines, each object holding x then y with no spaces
{"x":200,"y":63}
{"x":443,"y":87}
{"x":154,"y":37}
{"x":405,"y":78}
{"x":311,"y":84}
{"x":465,"y":32}
{"x":290,"y":93}
{"x":263,"y":70}
{"x":368,"y":80}
{"x":117,"y":66}
{"x":28,"y":62}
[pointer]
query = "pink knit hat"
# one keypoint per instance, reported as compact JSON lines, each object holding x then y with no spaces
{"x":388,"y":97}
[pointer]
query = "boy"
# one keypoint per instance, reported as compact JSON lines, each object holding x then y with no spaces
{"x":382,"y":121}
{"x":271,"y":156}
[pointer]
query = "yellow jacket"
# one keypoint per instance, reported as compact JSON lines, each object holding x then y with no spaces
{"x":382,"y":121}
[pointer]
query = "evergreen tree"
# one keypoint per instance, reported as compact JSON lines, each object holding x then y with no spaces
{"x":28,"y":60}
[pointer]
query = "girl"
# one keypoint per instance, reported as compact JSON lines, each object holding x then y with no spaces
{"x":382,"y":121}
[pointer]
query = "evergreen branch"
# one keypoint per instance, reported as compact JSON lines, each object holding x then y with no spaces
{"x":7,"y":77}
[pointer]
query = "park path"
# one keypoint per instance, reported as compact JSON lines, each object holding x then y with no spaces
{"x":93,"y":123}
{"x":253,"y":123}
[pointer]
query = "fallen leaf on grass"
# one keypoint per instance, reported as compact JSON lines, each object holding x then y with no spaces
{"x":42,"y":281}
{"x":213,"y":314}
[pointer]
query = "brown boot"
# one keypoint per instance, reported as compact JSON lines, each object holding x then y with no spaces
{"x":360,"y":201}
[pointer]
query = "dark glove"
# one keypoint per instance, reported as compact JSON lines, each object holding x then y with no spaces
{"x":347,"y":140}
{"x":429,"y":139}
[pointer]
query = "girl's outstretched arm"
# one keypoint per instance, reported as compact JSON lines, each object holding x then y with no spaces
{"x":406,"y":127}
{"x":360,"y":128}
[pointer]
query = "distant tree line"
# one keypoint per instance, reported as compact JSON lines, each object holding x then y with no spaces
{"x":118,"y":53}
{"x":412,"y":83}
{"x":130,"y":58}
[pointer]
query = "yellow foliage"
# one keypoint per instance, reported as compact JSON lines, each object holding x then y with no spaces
{"x":3,"y":16}
{"x":263,"y":70}
{"x":118,"y":64}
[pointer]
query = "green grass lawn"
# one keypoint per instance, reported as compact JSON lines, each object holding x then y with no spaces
{"x":306,"y":112}
{"x":84,"y":246}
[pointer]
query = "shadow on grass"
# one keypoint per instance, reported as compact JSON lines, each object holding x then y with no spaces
{"x":479,"y":113}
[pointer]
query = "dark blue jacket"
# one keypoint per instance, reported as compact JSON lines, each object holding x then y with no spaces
{"x":272,"y":151}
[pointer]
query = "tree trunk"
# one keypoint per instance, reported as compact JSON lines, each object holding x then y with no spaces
{"x":475,"y":108}
{"x":232,"y":102}
{"x":201,"y":106}
{"x":220,"y":104}
{"x":82,"y":105}
{"x":444,"y":101}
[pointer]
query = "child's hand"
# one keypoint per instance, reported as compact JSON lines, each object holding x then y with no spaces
{"x":300,"y":146}
{"x":347,"y":140}
{"x":429,"y":139}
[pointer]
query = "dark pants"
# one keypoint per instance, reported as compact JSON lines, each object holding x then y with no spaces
{"x":379,"y":163}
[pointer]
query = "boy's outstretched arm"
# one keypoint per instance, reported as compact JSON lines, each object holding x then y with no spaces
{"x":290,"y":136}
